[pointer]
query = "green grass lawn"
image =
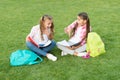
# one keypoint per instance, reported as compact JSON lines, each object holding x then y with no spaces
{"x":17,"y":18}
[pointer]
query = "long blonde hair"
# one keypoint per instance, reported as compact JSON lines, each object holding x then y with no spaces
{"x":42,"y":27}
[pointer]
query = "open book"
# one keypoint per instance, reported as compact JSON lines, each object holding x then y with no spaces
{"x":46,"y":44}
{"x":64,"y":43}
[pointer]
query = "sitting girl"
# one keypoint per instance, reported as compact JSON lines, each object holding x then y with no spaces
{"x":39,"y":40}
{"x":77,"y":32}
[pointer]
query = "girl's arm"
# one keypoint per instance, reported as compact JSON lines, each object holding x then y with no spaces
{"x":74,"y":47}
{"x":32,"y":32}
{"x":70,"y":27}
{"x":30,"y":35}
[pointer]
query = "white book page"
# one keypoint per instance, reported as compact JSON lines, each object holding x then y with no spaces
{"x":64,"y":43}
{"x":47,"y":43}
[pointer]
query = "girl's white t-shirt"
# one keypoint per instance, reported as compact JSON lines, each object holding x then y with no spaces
{"x":36,"y":37}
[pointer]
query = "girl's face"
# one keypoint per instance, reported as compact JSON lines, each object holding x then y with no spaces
{"x":47,"y":23}
{"x":81,"y":21}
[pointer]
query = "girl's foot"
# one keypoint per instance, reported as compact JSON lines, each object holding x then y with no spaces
{"x":83,"y":55}
{"x":51,"y":57}
{"x":86,"y":56}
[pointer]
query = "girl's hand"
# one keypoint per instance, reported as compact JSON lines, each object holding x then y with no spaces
{"x":41,"y":45}
{"x":67,"y":31}
{"x":72,"y":47}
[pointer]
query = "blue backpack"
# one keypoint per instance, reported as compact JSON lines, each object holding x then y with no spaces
{"x":24,"y":57}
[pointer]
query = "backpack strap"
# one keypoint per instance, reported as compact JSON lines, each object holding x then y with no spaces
{"x":36,"y":61}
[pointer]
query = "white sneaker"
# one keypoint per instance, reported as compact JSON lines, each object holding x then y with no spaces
{"x":82,"y":54}
{"x":63,"y":53}
{"x":51,"y":57}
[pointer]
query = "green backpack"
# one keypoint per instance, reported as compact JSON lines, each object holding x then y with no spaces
{"x":24,"y":57}
{"x":95,"y":45}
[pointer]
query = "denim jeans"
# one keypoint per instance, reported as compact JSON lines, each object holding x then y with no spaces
{"x":42,"y":50}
